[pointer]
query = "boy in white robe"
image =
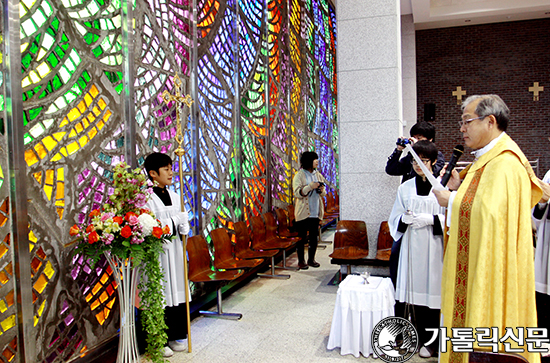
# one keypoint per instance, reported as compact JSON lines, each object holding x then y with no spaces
{"x":417,"y":219}
{"x":165,"y":204}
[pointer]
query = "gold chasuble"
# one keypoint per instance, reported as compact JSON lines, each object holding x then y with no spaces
{"x":488,"y":268}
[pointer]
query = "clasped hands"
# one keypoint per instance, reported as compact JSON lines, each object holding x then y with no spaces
{"x":418,"y":220}
{"x":181,"y":221}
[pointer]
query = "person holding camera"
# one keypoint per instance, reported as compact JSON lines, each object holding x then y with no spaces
{"x":398,"y":165}
{"x":309,"y":189}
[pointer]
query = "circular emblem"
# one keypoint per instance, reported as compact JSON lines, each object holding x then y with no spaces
{"x":394,"y":339}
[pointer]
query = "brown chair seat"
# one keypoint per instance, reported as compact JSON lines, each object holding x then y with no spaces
{"x":350,"y":240}
{"x":242,"y":244}
{"x":271,"y":230}
{"x":385,"y":241}
{"x":259,"y":238}
{"x":223,"y":253}
{"x":282,"y":220}
{"x":349,"y":253}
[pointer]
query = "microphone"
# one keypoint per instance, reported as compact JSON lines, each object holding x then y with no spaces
{"x":457,"y":153}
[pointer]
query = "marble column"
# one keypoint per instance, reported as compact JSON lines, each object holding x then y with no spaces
{"x":370,"y":101}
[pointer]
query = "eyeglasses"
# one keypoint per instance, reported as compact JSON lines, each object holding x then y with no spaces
{"x":425,"y":161}
{"x":465,"y":123}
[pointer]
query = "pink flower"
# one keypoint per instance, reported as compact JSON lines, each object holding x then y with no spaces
{"x":106,"y":216}
{"x":133,"y":220}
{"x":107,"y":238}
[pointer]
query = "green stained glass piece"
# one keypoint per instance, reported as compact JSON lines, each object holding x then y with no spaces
{"x":89,"y":38}
{"x":33,"y":113}
{"x":55,"y":24}
{"x":1,"y":102}
{"x":120,"y":143}
{"x":52,"y":60}
{"x":26,"y":61}
{"x":27,"y":138}
{"x":60,"y":52}
{"x":25,"y":120}
{"x":119,"y":88}
{"x":81,"y":84}
{"x":101,"y":156}
{"x":86,"y":76}
{"x":101,"y":2}
{"x":97,"y":52}
{"x":64,"y":38}
{"x":57,"y":84}
{"x":34,"y":46}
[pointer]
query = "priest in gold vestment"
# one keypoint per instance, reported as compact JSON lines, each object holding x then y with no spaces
{"x":488,"y":268}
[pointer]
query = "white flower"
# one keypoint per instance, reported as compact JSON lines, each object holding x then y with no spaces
{"x":147,"y":223}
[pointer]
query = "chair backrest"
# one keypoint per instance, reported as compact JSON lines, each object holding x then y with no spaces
{"x":385,"y":239}
{"x":242,"y":237}
{"x":270,"y":226}
{"x":282,"y":219}
{"x":330,"y":201}
{"x":351,"y":233}
{"x":223,"y":249}
{"x":291,"y":216}
{"x":258,"y":230}
{"x":199,"y":255}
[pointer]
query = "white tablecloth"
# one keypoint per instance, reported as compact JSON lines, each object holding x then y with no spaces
{"x":359,"y":307}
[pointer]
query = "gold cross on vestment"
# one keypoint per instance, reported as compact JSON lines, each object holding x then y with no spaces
{"x":178,"y":98}
{"x":536,"y":89}
{"x":458,"y":94}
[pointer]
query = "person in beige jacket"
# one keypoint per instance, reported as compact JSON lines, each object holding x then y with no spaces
{"x":308,"y":186}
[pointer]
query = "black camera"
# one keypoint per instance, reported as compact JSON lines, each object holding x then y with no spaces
{"x":319,"y":190}
{"x":402,"y":141}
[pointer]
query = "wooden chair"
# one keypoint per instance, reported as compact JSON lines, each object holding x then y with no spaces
{"x":291,"y":217}
{"x":223,"y":252}
{"x":282,"y":221}
{"x":261,"y":243}
{"x":201,"y":271}
{"x":385,"y":241}
{"x":271,"y":234}
{"x":350,"y":242}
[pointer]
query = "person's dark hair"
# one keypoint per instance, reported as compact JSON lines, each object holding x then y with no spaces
{"x":307,"y":158}
{"x":155,"y":161}
{"x":425,"y":129}
{"x":426,"y":149}
{"x":491,"y":105}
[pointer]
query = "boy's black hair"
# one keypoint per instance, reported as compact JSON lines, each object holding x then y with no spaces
{"x":307,"y":158}
{"x":155,"y":161}
{"x":426,"y":149}
{"x":425,"y":129}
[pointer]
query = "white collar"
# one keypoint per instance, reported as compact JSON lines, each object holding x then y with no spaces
{"x":477,"y":153}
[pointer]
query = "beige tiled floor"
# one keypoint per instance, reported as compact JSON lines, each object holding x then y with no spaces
{"x":283,"y":321}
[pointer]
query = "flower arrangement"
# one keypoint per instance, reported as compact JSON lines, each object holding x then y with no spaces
{"x":126,"y":230}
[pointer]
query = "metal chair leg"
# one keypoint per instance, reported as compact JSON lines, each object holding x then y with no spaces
{"x":272,"y":275}
{"x":220,"y":314}
{"x":284,"y":266}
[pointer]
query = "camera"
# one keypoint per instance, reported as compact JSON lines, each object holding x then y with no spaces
{"x":319,"y":190}
{"x":402,"y":141}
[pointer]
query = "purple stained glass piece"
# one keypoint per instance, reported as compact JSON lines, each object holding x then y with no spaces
{"x":69,"y":319}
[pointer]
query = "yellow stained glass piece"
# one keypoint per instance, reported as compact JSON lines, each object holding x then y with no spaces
{"x":73,"y":114}
{"x":43,"y":69}
{"x":56,"y":157}
{"x":1,"y":172}
{"x":35,"y":78}
{"x":86,"y":123}
{"x":104,"y":296}
{"x":89,"y":297}
{"x":40,"y":284}
{"x":101,"y":103}
{"x":30,"y":157}
{"x":106,"y":312}
{"x":94,"y":305}
{"x":64,"y":151}
{"x":60,"y":191}
{"x":111,"y":303}
{"x":107,"y":116}
{"x":96,"y":111}
{"x":104,"y":278}
{"x":32,"y":237}
{"x":59,"y":135}
{"x":64,"y":122}
{"x":96,"y":288}
{"x":3,"y":306}
{"x":4,"y":278}
{"x":38,"y":177}
{"x":94,"y":91}
{"x":40,"y":150}
{"x":79,"y":127}
{"x":100,"y":124}
{"x":49,"y":177}
{"x":60,"y":174}
{"x":49,"y":142}
{"x":8,"y":323}
{"x":88,"y":99}
{"x":82,"y":107}
{"x":83,"y":141}
{"x":73,"y":133}
{"x":36,"y":320}
{"x":10,"y":298}
{"x":72,"y":148}
{"x":92,"y":133}
{"x":91,"y":117}
{"x":100,"y":318}
{"x":41,"y":308}
{"x":48,"y":190}
{"x":26,"y":82}
{"x":60,"y":212}
{"x":48,"y":270}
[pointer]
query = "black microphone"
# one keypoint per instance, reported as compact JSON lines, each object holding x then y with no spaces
{"x":457,"y":153}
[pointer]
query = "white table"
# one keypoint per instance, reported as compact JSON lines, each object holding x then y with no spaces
{"x":359,"y":307}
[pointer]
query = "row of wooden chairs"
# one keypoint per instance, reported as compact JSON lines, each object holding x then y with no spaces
{"x":248,"y":252}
